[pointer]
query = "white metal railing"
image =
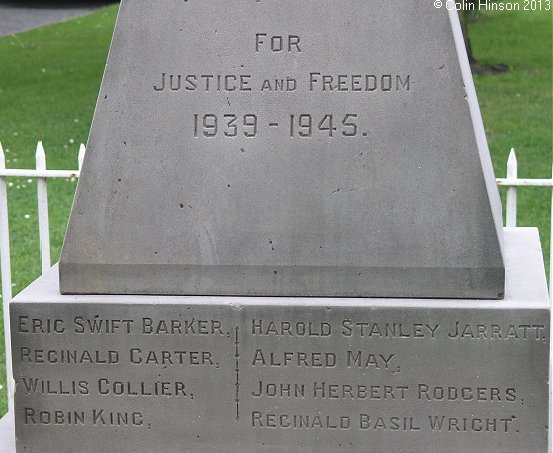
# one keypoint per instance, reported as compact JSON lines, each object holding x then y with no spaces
{"x":41,"y":174}
{"x":512,"y":182}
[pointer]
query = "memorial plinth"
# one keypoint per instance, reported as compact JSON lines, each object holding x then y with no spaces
{"x":219,"y":374}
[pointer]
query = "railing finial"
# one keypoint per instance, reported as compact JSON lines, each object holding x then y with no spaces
{"x":40,"y":157}
{"x":512,"y":163}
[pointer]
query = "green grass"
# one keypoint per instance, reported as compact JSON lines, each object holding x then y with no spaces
{"x":49,"y":80}
{"x":517,"y":105}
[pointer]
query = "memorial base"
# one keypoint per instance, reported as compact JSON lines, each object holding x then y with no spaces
{"x":232,"y":374}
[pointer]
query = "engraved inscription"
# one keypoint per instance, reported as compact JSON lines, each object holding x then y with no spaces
{"x":534,"y":332}
{"x":204,"y":82}
{"x":277,"y":44}
{"x":337,"y":374}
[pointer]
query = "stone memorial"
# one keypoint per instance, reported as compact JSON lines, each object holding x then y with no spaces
{"x":286,"y":148}
{"x":330,"y":157}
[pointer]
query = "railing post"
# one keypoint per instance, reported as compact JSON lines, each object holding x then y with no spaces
{"x":512,"y":173}
{"x":42,"y":196}
{"x":551,"y":245}
{"x":80,"y":159}
{"x":6,"y":277}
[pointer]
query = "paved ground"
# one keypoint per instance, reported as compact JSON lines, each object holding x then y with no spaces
{"x":17,"y":16}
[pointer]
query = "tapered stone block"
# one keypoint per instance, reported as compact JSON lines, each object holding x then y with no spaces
{"x":262,"y":148}
{"x":249,"y":375}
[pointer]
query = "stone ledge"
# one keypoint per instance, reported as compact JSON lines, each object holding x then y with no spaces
{"x":525,"y":281}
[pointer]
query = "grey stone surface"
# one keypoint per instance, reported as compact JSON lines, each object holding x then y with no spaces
{"x":241,"y":375}
{"x":7,"y":434}
{"x":395,"y":198}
